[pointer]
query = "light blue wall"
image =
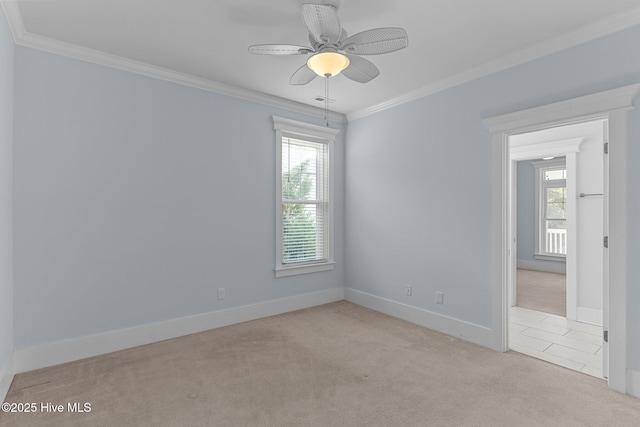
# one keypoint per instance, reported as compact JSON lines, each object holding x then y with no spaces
{"x":6,"y":190}
{"x":136,"y":199}
{"x":418,"y":206}
{"x":418,"y":182}
{"x":526,"y":205}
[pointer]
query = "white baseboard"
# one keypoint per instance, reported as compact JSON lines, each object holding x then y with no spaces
{"x":447,"y":325}
{"x":589,"y":315}
{"x":6,"y":377}
{"x":548,"y":266}
{"x":633,"y":383}
{"x":80,"y":348}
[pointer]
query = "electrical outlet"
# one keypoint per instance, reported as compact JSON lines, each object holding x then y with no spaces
{"x":408,"y":290}
{"x":221,"y":294}
{"x":439,"y":297}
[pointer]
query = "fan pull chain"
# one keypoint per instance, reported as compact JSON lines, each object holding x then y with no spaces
{"x":326,"y":99}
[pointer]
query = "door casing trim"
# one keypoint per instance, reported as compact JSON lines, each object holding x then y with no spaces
{"x":612,"y":105}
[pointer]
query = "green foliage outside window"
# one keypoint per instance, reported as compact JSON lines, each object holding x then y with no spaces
{"x":298,"y":220}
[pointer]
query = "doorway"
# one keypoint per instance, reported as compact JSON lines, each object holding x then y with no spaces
{"x":612,"y":105}
{"x":556,"y":286}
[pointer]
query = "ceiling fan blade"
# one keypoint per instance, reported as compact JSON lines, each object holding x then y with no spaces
{"x":314,"y":43}
{"x":376,"y":41}
{"x":302,"y":76}
{"x":322,"y":22}
{"x":279,"y":49}
{"x":343,"y":35}
{"x":360,"y":69}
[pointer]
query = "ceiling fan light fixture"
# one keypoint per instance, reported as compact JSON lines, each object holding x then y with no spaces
{"x":328,"y":64}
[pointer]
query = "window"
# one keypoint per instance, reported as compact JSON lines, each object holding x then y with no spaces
{"x":304,"y":197}
{"x":551,"y":200}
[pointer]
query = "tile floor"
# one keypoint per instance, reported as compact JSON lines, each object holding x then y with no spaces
{"x":553,"y":338}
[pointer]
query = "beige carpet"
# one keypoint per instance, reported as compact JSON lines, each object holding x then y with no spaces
{"x":334,"y":365}
{"x":541,"y":291}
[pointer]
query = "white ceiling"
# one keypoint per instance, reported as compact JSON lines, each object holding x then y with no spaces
{"x":450,"y":41}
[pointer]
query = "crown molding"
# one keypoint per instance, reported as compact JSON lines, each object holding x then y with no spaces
{"x":581,"y":35}
{"x":34,"y":41}
{"x":14,"y":18}
{"x":573,"y":38}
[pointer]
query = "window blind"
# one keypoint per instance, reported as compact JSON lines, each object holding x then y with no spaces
{"x":305,"y":196}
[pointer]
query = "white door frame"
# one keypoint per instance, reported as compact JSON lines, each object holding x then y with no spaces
{"x":612,"y":105}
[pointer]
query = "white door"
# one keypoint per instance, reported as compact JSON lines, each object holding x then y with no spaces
{"x":590,"y":225}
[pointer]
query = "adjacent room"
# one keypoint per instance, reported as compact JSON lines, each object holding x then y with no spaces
{"x":345,"y":212}
{"x":557,"y":314}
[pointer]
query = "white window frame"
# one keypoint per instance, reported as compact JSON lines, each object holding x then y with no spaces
{"x":287,"y":128}
{"x":540,"y":204}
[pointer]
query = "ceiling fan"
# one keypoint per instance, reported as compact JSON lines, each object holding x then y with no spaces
{"x":332,"y":51}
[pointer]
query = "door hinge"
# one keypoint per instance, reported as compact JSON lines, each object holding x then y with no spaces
{"x":606,"y":241}
{"x":606,"y":148}
{"x":605,"y":336}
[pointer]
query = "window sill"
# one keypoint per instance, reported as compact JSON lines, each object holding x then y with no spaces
{"x":303,"y":269}
{"x":546,"y":257}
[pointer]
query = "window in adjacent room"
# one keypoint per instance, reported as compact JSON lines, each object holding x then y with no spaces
{"x":551,"y":199}
{"x":304,"y":197}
